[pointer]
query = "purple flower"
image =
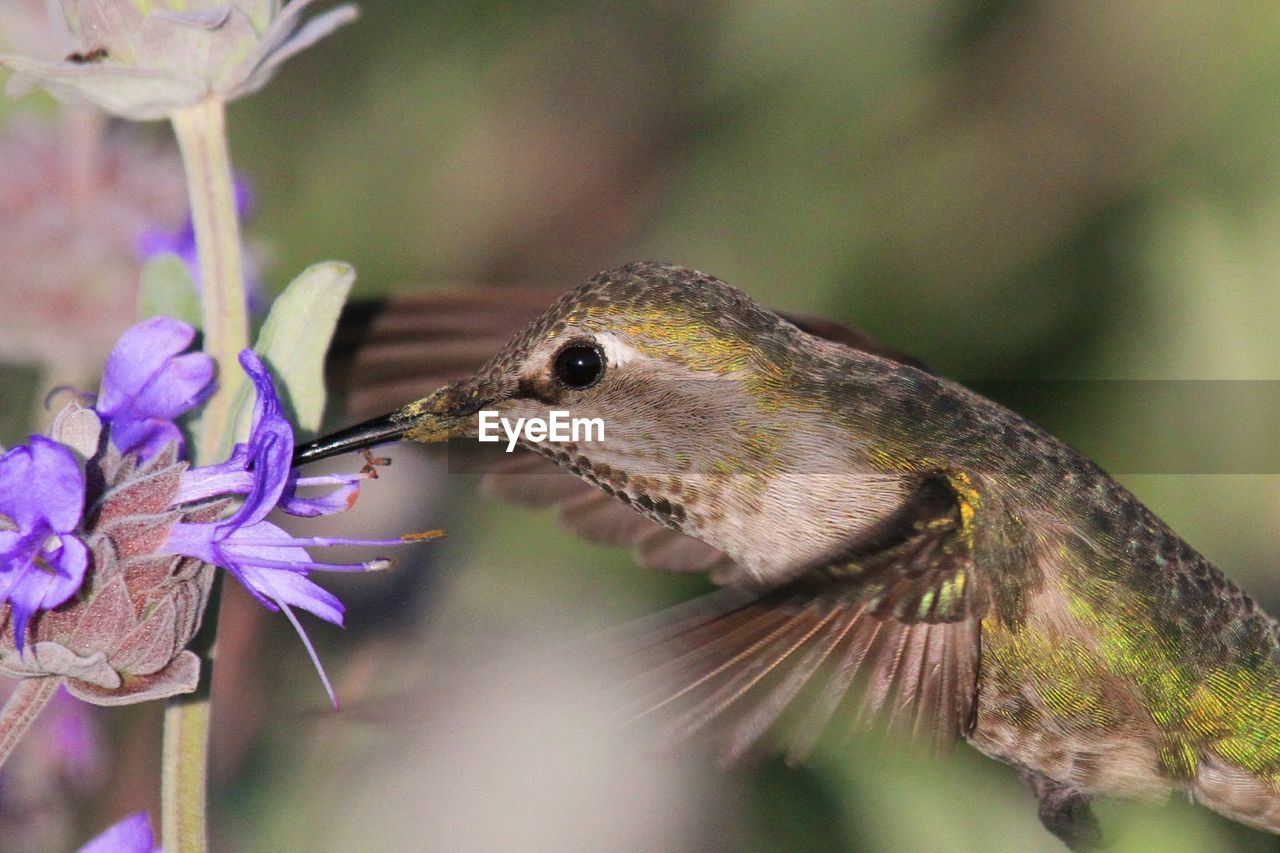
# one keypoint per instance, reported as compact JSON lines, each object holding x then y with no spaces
{"x":270,"y":563}
{"x":157,"y":531}
{"x":149,"y":381}
{"x":42,"y":560}
{"x":131,"y":835}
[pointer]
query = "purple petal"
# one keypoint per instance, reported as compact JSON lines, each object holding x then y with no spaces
{"x":145,"y":437}
{"x":15,"y":487}
{"x":267,"y":405}
{"x":78,"y":741}
{"x":183,"y":383}
{"x":194,"y":540}
{"x":69,"y":561}
{"x":289,"y":586}
{"x":20,"y":550}
{"x":57,"y":487}
{"x":270,"y":447}
{"x":131,"y":835}
{"x":226,"y":478}
{"x":269,"y":542}
{"x":244,"y":199}
{"x":156,"y":241}
{"x":182,"y":242}
{"x":140,"y":353}
{"x":213,"y":544}
{"x":32,"y":588}
{"x":294,"y":588}
{"x":10,"y":583}
{"x":272,"y":453}
{"x":339,"y":499}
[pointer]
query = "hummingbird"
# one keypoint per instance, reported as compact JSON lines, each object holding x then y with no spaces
{"x":892,"y":546}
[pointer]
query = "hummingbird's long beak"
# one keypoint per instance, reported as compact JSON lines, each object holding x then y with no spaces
{"x":442,"y":415}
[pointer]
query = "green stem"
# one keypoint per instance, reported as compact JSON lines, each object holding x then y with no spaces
{"x":182,"y":784}
{"x":185,"y":756}
{"x":202,"y":138}
{"x":25,"y":704}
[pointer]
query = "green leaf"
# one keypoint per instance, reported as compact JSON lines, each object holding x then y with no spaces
{"x":167,"y":289}
{"x":294,"y":339}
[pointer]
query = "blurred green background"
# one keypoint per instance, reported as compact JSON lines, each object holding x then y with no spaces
{"x":1008,"y":189}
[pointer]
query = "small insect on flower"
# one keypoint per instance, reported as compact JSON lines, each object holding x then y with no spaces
{"x":170,"y":54}
{"x":96,"y":55}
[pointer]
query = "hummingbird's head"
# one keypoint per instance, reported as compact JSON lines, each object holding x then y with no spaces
{"x":681,"y":371}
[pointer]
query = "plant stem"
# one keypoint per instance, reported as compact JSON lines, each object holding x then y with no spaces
{"x":202,"y":138}
{"x":182,"y":784}
{"x":185,"y":757}
{"x":25,"y":704}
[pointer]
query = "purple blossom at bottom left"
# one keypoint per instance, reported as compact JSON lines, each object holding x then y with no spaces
{"x":131,"y":835}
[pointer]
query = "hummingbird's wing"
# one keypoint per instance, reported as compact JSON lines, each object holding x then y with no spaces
{"x":886,"y":628}
{"x":403,"y":347}
{"x":397,"y":348}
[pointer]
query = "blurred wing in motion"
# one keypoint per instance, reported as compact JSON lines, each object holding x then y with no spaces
{"x":399,"y":348}
{"x":389,"y":351}
{"x":886,"y":629}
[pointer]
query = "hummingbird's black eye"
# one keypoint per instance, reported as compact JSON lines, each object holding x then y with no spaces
{"x":579,"y":366}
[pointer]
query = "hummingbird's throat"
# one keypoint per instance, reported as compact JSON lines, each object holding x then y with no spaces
{"x":645,"y":494}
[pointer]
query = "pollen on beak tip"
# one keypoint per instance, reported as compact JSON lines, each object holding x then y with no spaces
{"x":424,"y":536}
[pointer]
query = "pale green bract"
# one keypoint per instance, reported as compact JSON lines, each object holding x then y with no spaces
{"x":292,"y":342}
{"x":145,"y":59}
{"x":295,"y":337}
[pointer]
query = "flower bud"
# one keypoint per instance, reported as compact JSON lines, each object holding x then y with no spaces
{"x":121,"y":639}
